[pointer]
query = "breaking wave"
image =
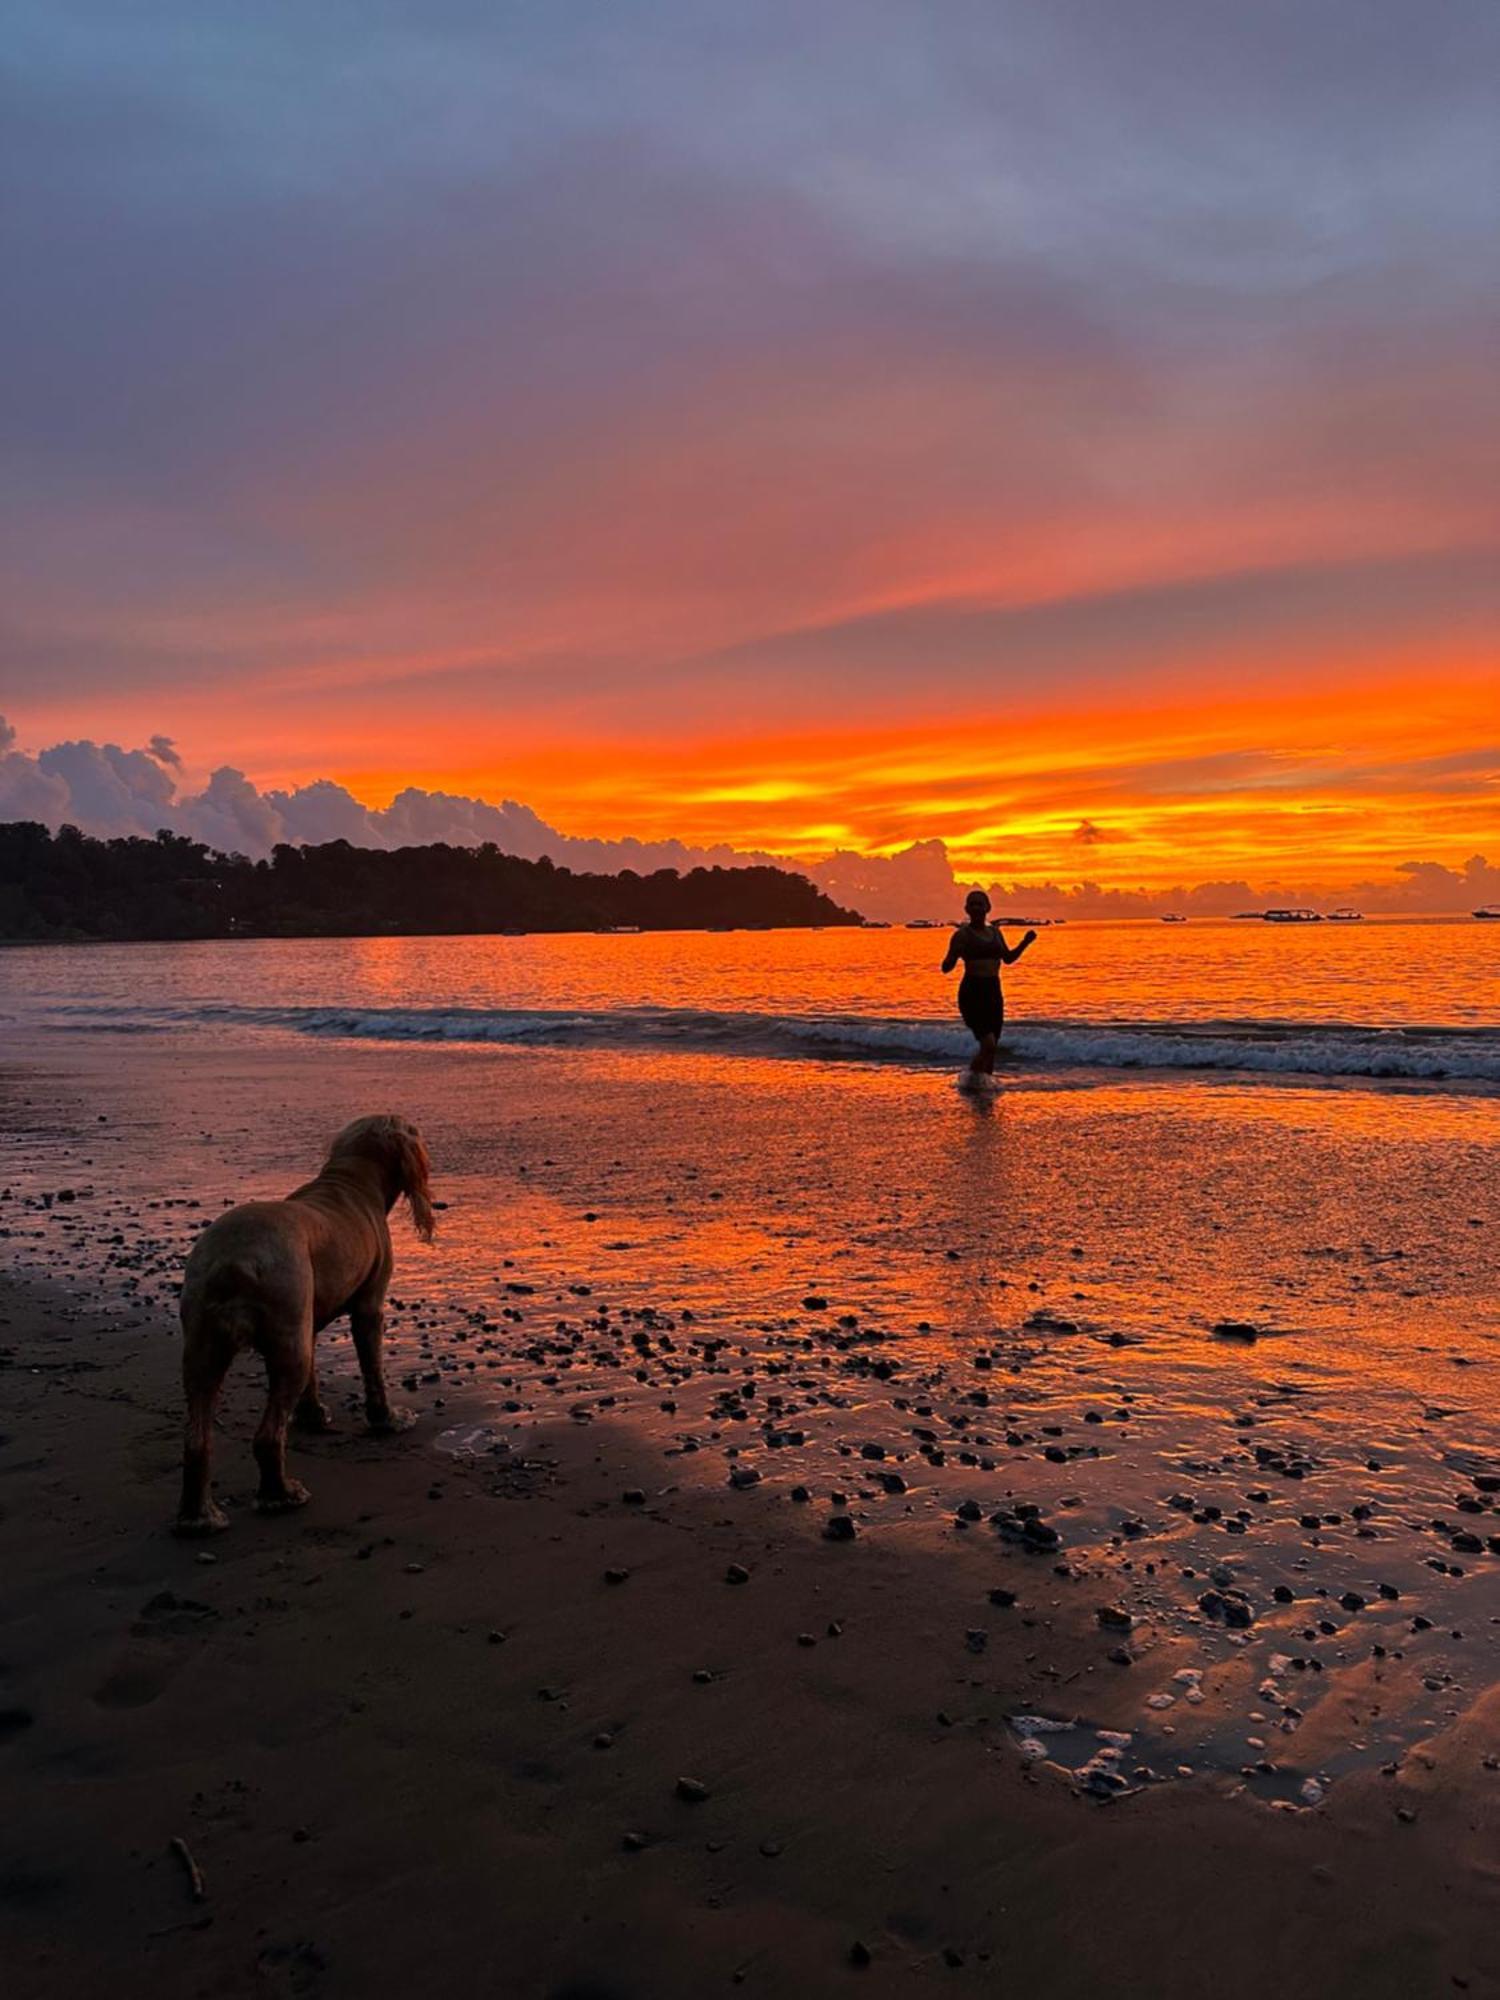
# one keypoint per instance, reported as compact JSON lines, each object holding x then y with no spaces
{"x":1417,"y":1054}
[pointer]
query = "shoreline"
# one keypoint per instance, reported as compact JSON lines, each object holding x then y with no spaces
{"x":380,"y":1792}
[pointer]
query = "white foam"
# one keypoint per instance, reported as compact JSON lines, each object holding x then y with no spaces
{"x":1272,"y":1048}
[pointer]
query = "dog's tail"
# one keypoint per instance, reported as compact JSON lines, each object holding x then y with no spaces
{"x":223,"y":1317}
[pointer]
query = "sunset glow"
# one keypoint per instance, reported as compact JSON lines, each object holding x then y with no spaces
{"x":688,"y":466}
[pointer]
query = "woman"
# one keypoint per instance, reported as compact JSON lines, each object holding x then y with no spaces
{"x":983,"y":950}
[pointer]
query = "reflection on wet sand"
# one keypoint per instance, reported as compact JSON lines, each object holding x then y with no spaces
{"x":1216,"y":1370}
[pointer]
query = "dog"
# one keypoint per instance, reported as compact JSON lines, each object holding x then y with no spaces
{"x":270,"y":1275}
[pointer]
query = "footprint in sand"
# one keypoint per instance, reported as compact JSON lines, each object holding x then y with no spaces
{"x":290,"y":1969}
{"x":158,"y":1652}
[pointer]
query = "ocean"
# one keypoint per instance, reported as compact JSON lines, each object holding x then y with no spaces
{"x":1384,"y":1001}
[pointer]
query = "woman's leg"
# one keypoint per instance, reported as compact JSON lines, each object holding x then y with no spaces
{"x":984,"y":1060}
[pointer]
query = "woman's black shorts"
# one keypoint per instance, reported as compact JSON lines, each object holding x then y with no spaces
{"x":982,"y":1005}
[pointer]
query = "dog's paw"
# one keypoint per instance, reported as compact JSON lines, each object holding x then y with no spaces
{"x":392,"y":1422}
{"x":316,"y":1417}
{"x":212,"y":1521}
{"x":292,"y":1495}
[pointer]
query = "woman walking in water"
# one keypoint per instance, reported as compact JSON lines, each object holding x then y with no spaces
{"x":983,"y":949}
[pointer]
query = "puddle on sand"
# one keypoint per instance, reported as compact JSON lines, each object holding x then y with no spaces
{"x":1187,"y":1732}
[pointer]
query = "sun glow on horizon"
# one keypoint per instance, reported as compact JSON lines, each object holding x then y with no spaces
{"x":1329,"y":782}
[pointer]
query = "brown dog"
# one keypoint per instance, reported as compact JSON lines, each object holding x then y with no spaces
{"x":269,"y":1275}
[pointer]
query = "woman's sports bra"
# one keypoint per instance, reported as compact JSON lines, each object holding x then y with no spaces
{"x":981,"y":950}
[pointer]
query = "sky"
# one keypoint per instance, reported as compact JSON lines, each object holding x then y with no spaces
{"x":1067,"y":430}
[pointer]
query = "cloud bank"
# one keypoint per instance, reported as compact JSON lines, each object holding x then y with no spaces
{"x":110,"y":792}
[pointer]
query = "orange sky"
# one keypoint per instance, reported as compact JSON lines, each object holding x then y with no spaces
{"x":1337,"y":784}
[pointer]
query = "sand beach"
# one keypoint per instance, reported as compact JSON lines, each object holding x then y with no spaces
{"x":451,"y":1725}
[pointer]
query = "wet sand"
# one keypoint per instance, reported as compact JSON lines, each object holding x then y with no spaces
{"x":432,"y":1733}
{"x":475,"y":1717}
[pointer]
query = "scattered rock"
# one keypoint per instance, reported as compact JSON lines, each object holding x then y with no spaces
{"x":1236,"y":1329}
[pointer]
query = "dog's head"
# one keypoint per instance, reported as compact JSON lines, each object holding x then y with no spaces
{"x":396,"y":1146}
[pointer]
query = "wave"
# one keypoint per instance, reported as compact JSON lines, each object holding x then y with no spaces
{"x":1282,"y":1048}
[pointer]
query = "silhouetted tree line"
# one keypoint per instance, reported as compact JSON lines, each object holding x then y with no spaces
{"x":68,"y":885}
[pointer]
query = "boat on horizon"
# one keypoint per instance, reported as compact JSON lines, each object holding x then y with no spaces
{"x":1295,"y":916}
{"x":1491,"y":911}
{"x":1172,"y":917}
{"x":1346,"y":916}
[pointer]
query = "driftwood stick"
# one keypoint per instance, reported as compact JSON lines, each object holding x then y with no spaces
{"x":180,"y":1848}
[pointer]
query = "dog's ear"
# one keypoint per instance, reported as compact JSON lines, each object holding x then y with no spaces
{"x":415,"y":1167}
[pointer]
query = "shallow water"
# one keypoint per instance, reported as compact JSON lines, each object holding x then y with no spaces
{"x":1417,"y":1000}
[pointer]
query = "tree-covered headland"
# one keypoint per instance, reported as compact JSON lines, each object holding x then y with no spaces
{"x":68,"y":885}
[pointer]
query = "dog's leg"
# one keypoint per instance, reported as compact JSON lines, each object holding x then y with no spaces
{"x":312,"y":1413}
{"x":202,"y":1378}
{"x":287,"y":1365}
{"x":367,"y":1322}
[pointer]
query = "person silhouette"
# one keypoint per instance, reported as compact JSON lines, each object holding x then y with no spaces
{"x":981,"y":999}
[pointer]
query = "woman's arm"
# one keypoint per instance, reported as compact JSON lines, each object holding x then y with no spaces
{"x":954,"y":950}
{"x":1026,"y":943}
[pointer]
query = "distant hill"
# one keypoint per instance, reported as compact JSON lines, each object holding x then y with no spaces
{"x":68,"y":886}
